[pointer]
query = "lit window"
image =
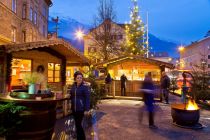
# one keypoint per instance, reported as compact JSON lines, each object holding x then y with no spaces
{"x":13,"y":34}
{"x":54,"y":72}
{"x":14,"y":6}
{"x":19,"y":68}
{"x":31,"y":14}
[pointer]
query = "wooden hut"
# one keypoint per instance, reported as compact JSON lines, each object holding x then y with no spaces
{"x":135,"y":68}
{"x":51,"y":57}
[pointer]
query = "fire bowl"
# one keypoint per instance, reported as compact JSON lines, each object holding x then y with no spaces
{"x":195,"y":126}
{"x":184,"y":117}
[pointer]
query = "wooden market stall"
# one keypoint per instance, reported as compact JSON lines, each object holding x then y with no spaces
{"x":50,"y":58}
{"x":134,"y":68}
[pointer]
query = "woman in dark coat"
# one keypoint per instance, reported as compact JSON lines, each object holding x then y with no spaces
{"x":80,"y":103}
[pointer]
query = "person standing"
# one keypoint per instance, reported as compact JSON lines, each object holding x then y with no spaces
{"x":148,"y":98}
{"x":80,"y":103}
{"x":123,"y":80}
{"x":108,"y":81}
{"x":165,"y":84}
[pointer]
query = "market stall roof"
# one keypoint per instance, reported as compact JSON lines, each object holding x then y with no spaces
{"x":72,"y":55}
{"x":134,"y":57}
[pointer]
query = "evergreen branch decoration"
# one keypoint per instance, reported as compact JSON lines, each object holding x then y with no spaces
{"x":10,"y":118}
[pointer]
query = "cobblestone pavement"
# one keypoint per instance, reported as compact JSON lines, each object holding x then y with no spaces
{"x":119,"y":120}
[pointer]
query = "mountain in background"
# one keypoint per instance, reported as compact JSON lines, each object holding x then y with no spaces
{"x":68,"y":27}
{"x":159,"y":45}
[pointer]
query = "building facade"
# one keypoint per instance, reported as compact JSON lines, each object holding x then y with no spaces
{"x":108,"y":31}
{"x":161,"y":56}
{"x":23,"y":20}
{"x":197,"y":53}
{"x":25,"y":48}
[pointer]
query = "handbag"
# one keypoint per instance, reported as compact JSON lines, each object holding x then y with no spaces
{"x":70,"y":128}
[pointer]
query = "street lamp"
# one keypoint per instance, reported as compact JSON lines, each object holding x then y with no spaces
{"x":181,"y":48}
{"x":79,"y":34}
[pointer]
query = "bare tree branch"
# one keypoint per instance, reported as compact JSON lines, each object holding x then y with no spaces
{"x":106,"y":33}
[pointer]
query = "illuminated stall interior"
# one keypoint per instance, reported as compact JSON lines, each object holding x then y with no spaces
{"x":134,"y":67}
{"x":70,"y":70}
{"x":134,"y":70}
{"x":19,"y":68}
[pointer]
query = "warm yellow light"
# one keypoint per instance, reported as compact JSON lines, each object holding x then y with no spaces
{"x":79,"y":34}
{"x":181,"y":48}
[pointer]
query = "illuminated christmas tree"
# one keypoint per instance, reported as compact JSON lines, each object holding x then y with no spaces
{"x":135,"y":33}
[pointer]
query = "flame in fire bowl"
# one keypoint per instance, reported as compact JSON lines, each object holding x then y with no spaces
{"x":186,"y":115}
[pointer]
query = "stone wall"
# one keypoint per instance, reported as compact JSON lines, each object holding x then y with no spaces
{"x":33,"y":31}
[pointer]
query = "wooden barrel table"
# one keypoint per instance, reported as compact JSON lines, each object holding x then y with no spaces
{"x":37,"y":121}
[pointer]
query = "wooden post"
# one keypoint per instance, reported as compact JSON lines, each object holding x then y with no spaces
{"x":114,"y":90}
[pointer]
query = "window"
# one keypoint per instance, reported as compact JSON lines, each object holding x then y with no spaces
{"x":24,"y":36}
{"x":31,"y":14}
{"x":20,"y":67}
{"x":44,"y":11}
{"x":107,"y":27}
{"x":13,"y":34}
{"x":14,"y":6}
{"x":54,"y":72}
{"x":24,"y":11}
{"x":91,"y":49}
{"x":35,"y":18}
{"x":43,"y":30}
{"x":120,"y":37}
{"x":208,"y":56}
{"x":208,"y":65}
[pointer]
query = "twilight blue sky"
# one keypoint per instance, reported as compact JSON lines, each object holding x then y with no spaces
{"x":181,"y":21}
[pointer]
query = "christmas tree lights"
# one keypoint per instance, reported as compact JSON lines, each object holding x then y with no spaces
{"x":135,"y":32}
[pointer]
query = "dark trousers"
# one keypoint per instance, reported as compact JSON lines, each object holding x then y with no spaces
{"x":165,"y":94}
{"x":123,"y":91}
{"x":78,"y":116}
{"x":151,"y":117}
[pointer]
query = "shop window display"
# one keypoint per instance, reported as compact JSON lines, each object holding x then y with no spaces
{"x":19,"y":68}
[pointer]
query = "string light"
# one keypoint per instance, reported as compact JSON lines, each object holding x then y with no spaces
{"x":135,"y":32}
